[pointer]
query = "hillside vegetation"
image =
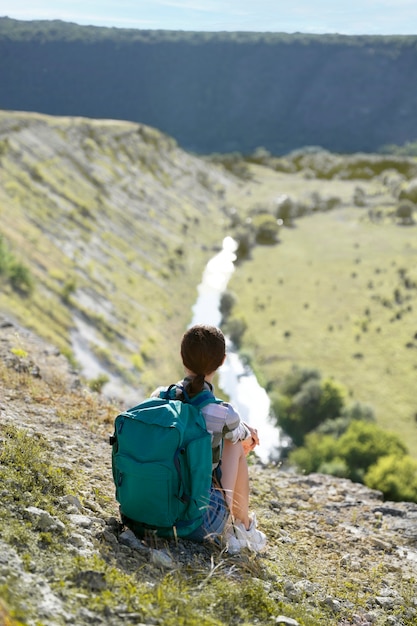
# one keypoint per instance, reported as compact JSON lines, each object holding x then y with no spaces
{"x":111,"y":225}
{"x":218,"y":92}
{"x":105,"y":228}
{"x":338,"y":292}
{"x":337,"y":554}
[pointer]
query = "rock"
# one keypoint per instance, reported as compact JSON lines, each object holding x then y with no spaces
{"x":43,"y":520}
{"x":333,"y":604}
{"x":162,"y":559}
{"x":83,"y":521}
{"x":72,"y":501}
{"x":129,"y":539}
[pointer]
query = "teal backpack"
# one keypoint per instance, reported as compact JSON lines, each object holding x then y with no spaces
{"x":162,"y":464}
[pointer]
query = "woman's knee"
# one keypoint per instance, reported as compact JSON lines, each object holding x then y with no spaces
{"x":235,"y":449}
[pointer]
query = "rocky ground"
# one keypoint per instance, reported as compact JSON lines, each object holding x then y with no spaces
{"x":334,"y":546}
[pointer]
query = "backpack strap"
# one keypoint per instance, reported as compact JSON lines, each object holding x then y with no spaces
{"x":203,"y":398}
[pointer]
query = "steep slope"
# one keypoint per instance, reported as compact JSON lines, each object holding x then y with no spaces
{"x":110,"y":219}
{"x":218,"y":92}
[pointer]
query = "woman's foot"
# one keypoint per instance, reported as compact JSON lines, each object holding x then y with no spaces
{"x":238,"y":537}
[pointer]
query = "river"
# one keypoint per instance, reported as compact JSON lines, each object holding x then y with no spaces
{"x":236,"y":379}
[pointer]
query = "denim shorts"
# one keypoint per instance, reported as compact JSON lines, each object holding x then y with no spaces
{"x":214,"y":520}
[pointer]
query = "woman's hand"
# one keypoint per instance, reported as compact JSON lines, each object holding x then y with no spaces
{"x":251,"y":442}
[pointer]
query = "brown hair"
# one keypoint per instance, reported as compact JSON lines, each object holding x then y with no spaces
{"x":202,"y":351}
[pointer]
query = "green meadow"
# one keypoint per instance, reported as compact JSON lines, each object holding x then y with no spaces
{"x":338,"y":293}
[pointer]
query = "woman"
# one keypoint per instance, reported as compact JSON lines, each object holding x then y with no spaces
{"x":203,"y":351}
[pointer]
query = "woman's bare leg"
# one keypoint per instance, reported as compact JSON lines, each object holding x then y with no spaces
{"x":235,"y":481}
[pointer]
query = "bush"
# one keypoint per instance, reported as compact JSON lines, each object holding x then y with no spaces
{"x":266,"y":229}
{"x":335,"y":427}
{"x":97,"y":384}
{"x":335,"y":467}
{"x":315,"y":403}
{"x":68,"y":289}
{"x":285,"y":209}
{"x":245,"y":243}
{"x":227,"y":302}
{"x":404,"y":213}
{"x":363,"y":444}
{"x":20,"y":278}
{"x":14,"y":271}
{"x":235,"y":328}
{"x":395,"y":476}
{"x":359,"y":411}
{"x":317,"y":450}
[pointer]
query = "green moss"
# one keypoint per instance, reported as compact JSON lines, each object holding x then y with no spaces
{"x":26,"y":465}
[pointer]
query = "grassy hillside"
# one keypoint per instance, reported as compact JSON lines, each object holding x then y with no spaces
{"x":113,"y":224}
{"x":110,"y":220}
{"x":338,"y":292}
{"x":337,"y":555}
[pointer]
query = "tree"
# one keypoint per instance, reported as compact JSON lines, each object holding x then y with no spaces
{"x":315,"y":402}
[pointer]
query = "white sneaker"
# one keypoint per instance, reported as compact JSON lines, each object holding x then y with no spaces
{"x":233,"y":544}
{"x":238,"y":537}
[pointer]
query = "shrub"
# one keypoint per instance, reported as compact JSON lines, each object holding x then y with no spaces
{"x":68,"y":289}
{"x":359,"y":411}
{"x":14,"y":271}
{"x":138,"y":362}
{"x":266,"y":229}
{"x":335,"y":427}
{"x":227,"y":302}
{"x":235,"y":328}
{"x":312,"y":405}
{"x":395,"y":476}
{"x":317,"y":450}
{"x":335,"y":467}
{"x":97,"y":384}
{"x":363,"y":444}
{"x":20,"y":278}
{"x":25,"y":459}
{"x":285,"y":209}
{"x":404,"y":213}
{"x":245,"y":243}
